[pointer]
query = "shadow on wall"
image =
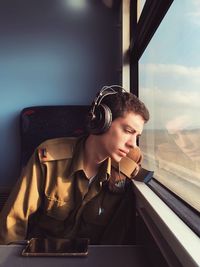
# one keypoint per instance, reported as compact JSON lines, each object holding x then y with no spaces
{"x":10,"y":149}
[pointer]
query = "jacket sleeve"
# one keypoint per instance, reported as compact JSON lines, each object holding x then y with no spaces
{"x":130,"y":164}
{"x":22,"y":202}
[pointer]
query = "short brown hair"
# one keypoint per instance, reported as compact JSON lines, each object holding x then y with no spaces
{"x":123,"y":102}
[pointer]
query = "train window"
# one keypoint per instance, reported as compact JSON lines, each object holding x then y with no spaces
{"x":169,"y":83}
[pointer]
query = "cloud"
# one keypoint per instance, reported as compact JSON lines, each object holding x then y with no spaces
{"x":177,"y":77}
{"x":165,"y":105}
{"x":194,"y":15}
{"x":169,"y":91}
{"x":172,"y":69}
{"x":178,"y":123}
{"x":172,"y":97}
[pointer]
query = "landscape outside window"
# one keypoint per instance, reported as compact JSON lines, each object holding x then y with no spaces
{"x":169,"y":83}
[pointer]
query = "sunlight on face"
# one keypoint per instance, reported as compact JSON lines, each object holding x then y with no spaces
{"x":122,"y":135}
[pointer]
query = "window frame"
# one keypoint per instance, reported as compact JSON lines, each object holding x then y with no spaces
{"x":179,"y":225}
{"x":141,"y":32}
{"x":177,"y":242}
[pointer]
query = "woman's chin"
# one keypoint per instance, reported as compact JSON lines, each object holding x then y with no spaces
{"x":116,"y":158}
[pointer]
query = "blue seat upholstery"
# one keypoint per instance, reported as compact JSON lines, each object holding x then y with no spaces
{"x":39,"y":123}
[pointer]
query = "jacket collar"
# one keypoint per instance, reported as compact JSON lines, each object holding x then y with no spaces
{"x":77,"y":161}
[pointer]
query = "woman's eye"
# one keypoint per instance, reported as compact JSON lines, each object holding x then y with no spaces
{"x":128,"y":131}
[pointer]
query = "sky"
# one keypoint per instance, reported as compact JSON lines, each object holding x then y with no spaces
{"x":169,"y":69}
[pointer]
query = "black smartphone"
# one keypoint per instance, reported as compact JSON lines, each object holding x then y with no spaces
{"x":56,"y":247}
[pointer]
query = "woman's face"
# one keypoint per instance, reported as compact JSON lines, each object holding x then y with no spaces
{"x":122,"y":136}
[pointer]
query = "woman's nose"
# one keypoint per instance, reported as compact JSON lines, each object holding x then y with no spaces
{"x":132,"y":142}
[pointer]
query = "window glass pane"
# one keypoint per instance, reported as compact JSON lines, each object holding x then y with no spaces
{"x":169,"y":84}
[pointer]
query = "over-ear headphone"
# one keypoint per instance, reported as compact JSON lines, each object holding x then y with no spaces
{"x":100,"y":114}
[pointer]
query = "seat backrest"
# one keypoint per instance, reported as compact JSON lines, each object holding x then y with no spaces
{"x":40,"y":123}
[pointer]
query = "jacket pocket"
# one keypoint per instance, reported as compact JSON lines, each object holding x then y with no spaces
{"x":57,"y":209}
{"x":101,"y":209}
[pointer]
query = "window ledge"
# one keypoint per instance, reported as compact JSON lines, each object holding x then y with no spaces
{"x":169,"y":231}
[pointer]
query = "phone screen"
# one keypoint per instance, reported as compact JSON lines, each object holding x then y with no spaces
{"x":56,"y":247}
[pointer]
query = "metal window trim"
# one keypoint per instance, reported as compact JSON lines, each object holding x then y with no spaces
{"x":180,"y":238}
{"x":152,"y":15}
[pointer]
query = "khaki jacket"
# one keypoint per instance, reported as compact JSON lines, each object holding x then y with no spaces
{"x":53,"y":198}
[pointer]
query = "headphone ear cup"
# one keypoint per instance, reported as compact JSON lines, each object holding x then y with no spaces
{"x":102,"y":120}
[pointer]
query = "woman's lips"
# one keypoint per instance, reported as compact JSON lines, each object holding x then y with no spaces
{"x":123,"y":153}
